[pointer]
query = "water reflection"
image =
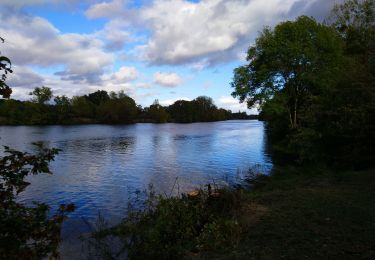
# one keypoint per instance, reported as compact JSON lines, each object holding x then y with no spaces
{"x":100,"y":166}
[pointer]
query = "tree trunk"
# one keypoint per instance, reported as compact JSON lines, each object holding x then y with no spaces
{"x":290,"y":118}
{"x":295,"y":113}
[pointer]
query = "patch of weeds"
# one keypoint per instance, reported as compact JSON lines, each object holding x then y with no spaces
{"x":174,"y":227}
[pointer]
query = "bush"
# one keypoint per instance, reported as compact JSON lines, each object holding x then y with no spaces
{"x":26,"y":232}
{"x":175,"y":227}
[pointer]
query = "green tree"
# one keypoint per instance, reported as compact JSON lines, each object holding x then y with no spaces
{"x":158,"y":113}
{"x":355,"y":22}
{"x":82,"y":107}
{"x":119,"y":109}
{"x":203,"y":108}
{"x":42,"y":95}
{"x":182,"y":111}
{"x":98,"y":97}
{"x":63,"y":108}
{"x":42,"y":114}
{"x":294,"y":61}
{"x":26,"y":232}
{"x":348,"y":122}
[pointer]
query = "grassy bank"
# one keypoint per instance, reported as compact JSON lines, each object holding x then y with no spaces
{"x":305,"y":214}
{"x":294,"y":214}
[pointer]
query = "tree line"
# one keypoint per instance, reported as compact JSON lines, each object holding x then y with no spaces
{"x":315,"y":85}
{"x":109,"y":108}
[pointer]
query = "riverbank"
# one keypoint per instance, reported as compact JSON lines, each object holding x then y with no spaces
{"x":310,"y":214}
{"x":293,"y":214}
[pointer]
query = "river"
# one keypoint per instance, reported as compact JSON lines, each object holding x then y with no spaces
{"x":100,"y":167}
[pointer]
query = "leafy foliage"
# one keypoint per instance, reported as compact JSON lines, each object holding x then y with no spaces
{"x":157,"y":112}
{"x":117,"y":109}
{"x":113,"y":108}
{"x":289,"y":62}
{"x":26,"y":232}
{"x":314,"y":84}
{"x":354,"y":20}
{"x":42,"y":95}
{"x":350,"y":116}
{"x":5,"y":68}
{"x":175,"y":227}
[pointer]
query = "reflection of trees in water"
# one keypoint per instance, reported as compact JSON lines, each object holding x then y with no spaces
{"x":266,"y":147}
{"x":171,"y":158}
{"x":98,"y":145}
{"x":100,"y":167}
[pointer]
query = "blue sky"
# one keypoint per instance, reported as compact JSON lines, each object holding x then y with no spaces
{"x":152,"y":49}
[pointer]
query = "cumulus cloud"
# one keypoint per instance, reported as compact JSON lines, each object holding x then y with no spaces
{"x":168,"y":102}
{"x":35,"y":41}
{"x":20,"y":3}
{"x":123,"y":75}
{"x":70,"y":89}
{"x":16,"y":4}
{"x":172,"y":32}
{"x":320,"y":9}
{"x":186,"y":32}
{"x":24,"y":77}
{"x":116,"y":39}
{"x":115,"y":36}
{"x":233,"y":104}
{"x":204,"y":33}
{"x":167,"y":79}
{"x":142,"y":85}
{"x":105,"y":9}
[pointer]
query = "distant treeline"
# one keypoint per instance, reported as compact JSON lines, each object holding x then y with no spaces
{"x":109,"y":108}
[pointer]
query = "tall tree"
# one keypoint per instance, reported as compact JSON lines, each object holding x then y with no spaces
{"x":349,"y":121}
{"x":63,"y":108}
{"x":355,"y":21}
{"x":294,"y":61}
{"x":82,"y":107}
{"x":41,"y":95}
{"x":98,"y":97}
{"x":119,"y":109}
{"x":182,"y":111}
{"x":203,"y":108}
{"x":158,"y":113}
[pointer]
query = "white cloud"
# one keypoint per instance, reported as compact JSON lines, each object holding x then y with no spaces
{"x":176,"y":32}
{"x":203,"y":33}
{"x":142,"y":85}
{"x":123,"y":75}
{"x":167,"y":79}
{"x":61,"y":3}
{"x":115,"y":35}
{"x":26,"y":80}
{"x":168,"y":102}
{"x":186,"y":32}
{"x":34,"y":41}
{"x":233,"y":104}
{"x":105,"y":9}
{"x":24,"y":77}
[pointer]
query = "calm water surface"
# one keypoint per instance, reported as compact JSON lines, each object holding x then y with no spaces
{"x":100,"y":167}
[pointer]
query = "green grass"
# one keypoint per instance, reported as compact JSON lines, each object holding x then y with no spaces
{"x":310,"y":215}
{"x":293,"y":214}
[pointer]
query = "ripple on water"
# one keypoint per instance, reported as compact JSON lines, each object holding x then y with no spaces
{"x":100,"y":167}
